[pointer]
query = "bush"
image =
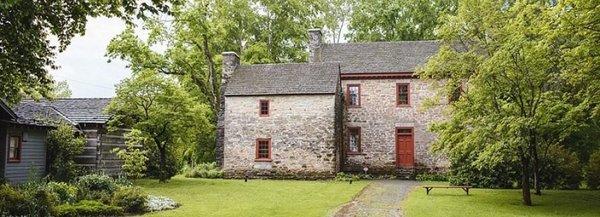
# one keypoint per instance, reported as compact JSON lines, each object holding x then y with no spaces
{"x":63,"y":146}
{"x":463,"y":171}
{"x":96,"y":187}
{"x":64,"y":192}
{"x":131,"y":199}
{"x":160,"y":203}
{"x":346,"y":177}
{"x":592,"y":171}
{"x":432,"y":176}
{"x":204,"y":170}
{"x":13,"y":202}
{"x":87,"y":208}
{"x":561,"y":169}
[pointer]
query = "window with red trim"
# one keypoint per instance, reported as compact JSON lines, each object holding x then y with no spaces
{"x":264,"y":108}
{"x":14,"y":149}
{"x":263,"y":149}
{"x":354,"y":140}
{"x":403,"y":95}
{"x":353,"y":95}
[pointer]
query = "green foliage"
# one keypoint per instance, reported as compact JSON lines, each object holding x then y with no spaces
{"x":397,"y":20}
{"x":203,"y":170}
{"x":592,"y":171}
{"x":134,"y":158}
{"x":26,"y":29}
{"x":33,"y":201}
{"x":346,"y":177}
{"x":164,"y":119}
{"x":561,"y":169}
{"x":63,"y":146}
{"x":13,"y":202}
{"x":131,"y":199}
{"x":432,"y":176}
{"x":64,"y":192}
{"x":87,"y":208}
{"x":96,"y":187}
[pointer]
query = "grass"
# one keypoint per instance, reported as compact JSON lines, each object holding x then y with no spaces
{"x":219,"y":197}
{"x":500,"y":202}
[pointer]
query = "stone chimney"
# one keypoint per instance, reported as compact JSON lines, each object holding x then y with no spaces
{"x":315,"y":41}
{"x":230,"y":61}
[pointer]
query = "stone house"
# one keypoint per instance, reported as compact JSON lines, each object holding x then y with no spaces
{"x":375,"y":96}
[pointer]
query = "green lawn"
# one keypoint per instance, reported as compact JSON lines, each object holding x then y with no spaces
{"x":496,"y":202}
{"x":217,"y":197}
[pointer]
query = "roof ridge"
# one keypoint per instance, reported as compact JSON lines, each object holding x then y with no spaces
{"x":286,"y":64}
{"x":382,"y":42}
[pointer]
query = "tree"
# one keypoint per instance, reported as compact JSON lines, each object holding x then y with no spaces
{"x":512,"y":99}
{"x":26,"y":27}
{"x":163,"y":117}
{"x":396,"y":20}
{"x":63,"y":145}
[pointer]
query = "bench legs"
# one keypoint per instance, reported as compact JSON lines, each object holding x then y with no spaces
{"x":428,"y":189}
{"x":466,"y":190}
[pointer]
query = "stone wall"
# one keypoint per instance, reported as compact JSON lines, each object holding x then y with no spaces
{"x":301,"y":129}
{"x":378,"y":116}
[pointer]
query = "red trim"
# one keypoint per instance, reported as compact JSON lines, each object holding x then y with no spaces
{"x":348,"y":95}
{"x":379,"y":75}
{"x":398,"y":95}
{"x":260,"y":113}
{"x":412,"y":135}
{"x":17,"y":158}
{"x":359,"y":141}
{"x":256,"y":158}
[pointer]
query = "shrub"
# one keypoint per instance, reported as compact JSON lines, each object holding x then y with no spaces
{"x":560,"y":169}
{"x":131,"y":199}
{"x":63,"y":146}
{"x":160,"y":203}
{"x":13,"y":202}
{"x":96,"y":187}
{"x":432,"y":176}
{"x":592,"y":171}
{"x":87,"y":208}
{"x":134,"y":159}
{"x":204,"y":170}
{"x":41,"y":203}
{"x":346,"y":177}
{"x":64,"y":192}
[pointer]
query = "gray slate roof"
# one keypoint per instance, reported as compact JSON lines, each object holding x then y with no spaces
{"x":379,"y":57}
{"x":72,"y":110}
{"x":283,"y":79}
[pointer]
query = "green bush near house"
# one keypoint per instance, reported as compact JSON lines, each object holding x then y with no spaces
{"x":87,"y":208}
{"x":96,"y":187}
{"x":32,"y":201}
{"x":592,"y":171}
{"x":204,"y":170}
{"x":64,"y":192}
{"x":131,"y":199}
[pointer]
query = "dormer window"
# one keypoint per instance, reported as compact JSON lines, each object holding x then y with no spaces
{"x":353,"y":95}
{"x":264,"y":108}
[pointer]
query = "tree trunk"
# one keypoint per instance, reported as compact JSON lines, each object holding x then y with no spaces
{"x":163,"y":176}
{"x":525,"y":180}
{"x":536,"y":172}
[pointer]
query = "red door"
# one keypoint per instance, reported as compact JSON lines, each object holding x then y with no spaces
{"x":405,"y":148}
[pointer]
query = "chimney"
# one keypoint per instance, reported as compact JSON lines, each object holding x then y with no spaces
{"x":315,"y":41}
{"x":230,"y":61}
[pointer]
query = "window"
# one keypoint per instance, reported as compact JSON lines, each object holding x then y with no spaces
{"x":263,"y":149}
{"x":403,"y":95}
{"x":14,"y":149}
{"x":354,"y":140}
{"x":353,"y":95}
{"x":264,"y":108}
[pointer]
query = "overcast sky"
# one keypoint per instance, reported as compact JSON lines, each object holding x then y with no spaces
{"x":83,"y":64}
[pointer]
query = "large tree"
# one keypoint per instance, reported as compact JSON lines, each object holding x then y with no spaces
{"x":396,"y":20}
{"x":165,"y":119}
{"x":26,"y":29}
{"x":509,"y":66}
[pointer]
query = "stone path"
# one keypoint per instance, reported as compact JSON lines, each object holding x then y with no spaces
{"x":380,"y":198}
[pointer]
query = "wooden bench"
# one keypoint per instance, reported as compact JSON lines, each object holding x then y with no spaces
{"x":464,"y":187}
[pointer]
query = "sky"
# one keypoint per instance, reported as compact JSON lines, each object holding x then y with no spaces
{"x":83,"y":64}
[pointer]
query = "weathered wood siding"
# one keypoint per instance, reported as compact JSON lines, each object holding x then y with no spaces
{"x":33,"y":155}
{"x":98,"y":154}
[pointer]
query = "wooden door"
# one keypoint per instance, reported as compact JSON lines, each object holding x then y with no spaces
{"x":405,"y":148}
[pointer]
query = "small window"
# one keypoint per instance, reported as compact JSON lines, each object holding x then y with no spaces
{"x":354,"y":95}
{"x":403,"y":95}
{"x":263,"y":149}
{"x":354,"y":140}
{"x":264,"y":108}
{"x":14,"y":149}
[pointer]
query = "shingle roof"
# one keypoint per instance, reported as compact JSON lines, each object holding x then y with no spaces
{"x":283,"y":79}
{"x":73,"y":110}
{"x":379,"y":57}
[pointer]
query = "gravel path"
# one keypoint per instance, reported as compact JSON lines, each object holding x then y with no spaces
{"x":380,"y":198}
